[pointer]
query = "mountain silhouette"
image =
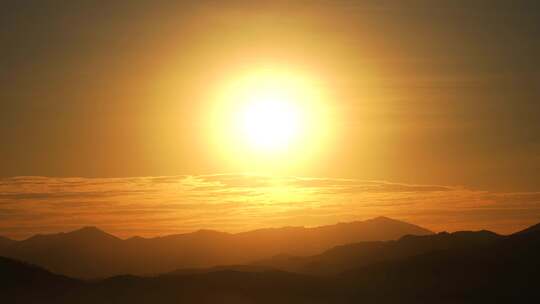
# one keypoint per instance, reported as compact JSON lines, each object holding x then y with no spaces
{"x":24,"y":283}
{"x":92,"y":253}
{"x":71,"y":253}
{"x":350,"y":256}
{"x":504,"y":270}
{"x":5,"y":242}
{"x":461,"y":267}
{"x":530,"y":230}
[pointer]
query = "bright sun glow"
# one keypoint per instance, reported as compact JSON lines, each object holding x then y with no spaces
{"x":270,"y":118}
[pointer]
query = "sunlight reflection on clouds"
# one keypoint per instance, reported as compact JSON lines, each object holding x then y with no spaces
{"x":151,"y":206}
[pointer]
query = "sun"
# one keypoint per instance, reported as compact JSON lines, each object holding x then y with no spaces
{"x":269,"y":117}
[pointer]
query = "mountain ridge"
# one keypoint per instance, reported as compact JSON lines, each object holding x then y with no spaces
{"x":90,"y":252}
{"x":475,"y":267}
{"x":96,"y":229}
{"x":339,"y":258}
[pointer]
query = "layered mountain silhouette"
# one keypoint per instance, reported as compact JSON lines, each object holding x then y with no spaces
{"x":24,"y":283}
{"x":461,"y":267}
{"x":92,"y":253}
{"x":504,"y":270}
{"x":345,"y":257}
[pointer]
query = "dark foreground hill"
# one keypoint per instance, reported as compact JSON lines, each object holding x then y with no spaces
{"x":465,"y":267}
{"x":25,"y":283}
{"x":504,"y":271}
{"x":92,"y":253}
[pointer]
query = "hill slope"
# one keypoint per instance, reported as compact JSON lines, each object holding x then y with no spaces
{"x":506,"y":270}
{"x":25,"y":283}
{"x":91,"y":253}
{"x":350,"y":256}
{"x":470,"y":267}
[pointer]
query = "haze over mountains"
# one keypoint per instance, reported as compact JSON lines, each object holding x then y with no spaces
{"x":92,"y":253}
{"x":460,"y":267}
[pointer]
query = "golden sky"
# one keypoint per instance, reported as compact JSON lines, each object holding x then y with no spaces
{"x":103,"y":98}
{"x":151,"y":206}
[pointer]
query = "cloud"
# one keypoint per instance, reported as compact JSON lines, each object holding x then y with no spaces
{"x":235,"y":202}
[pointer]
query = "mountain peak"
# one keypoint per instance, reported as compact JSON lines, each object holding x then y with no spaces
{"x":385,"y":223}
{"x":84,"y":233}
{"x":383,"y":219}
{"x":89,"y":229}
{"x":90,"y":232}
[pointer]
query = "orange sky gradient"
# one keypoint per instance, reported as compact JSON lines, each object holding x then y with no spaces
{"x":152,"y":206}
{"x":117,"y":114}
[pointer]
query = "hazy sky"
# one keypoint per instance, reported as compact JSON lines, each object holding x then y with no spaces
{"x":421,"y":92}
{"x":150,"y":206}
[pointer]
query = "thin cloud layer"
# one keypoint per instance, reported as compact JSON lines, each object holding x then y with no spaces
{"x":150,"y":206}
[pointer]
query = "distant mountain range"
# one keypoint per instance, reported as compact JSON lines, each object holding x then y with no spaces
{"x":350,"y":256}
{"x":460,"y":267}
{"x":92,"y":253}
